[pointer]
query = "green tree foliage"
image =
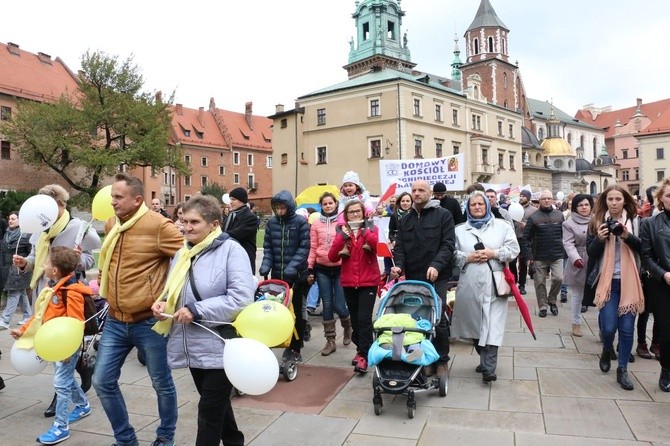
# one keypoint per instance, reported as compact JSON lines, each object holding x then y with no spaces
{"x":86,"y":135}
{"x":12,"y":200}
{"x":215,"y":190}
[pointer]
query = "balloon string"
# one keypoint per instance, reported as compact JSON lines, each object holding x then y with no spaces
{"x":206,"y":328}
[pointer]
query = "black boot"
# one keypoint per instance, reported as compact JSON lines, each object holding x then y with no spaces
{"x":605,"y":361}
{"x":664,"y":380}
{"x":86,"y":374}
{"x":2,"y":383}
{"x":623,"y":379}
{"x":51,"y":410}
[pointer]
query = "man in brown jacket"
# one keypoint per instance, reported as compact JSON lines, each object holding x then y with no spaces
{"x":134,"y":262}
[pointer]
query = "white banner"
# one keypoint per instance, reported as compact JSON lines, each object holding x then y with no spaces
{"x":449,"y":170}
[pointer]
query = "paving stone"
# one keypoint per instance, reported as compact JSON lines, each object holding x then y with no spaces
{"x":544,"y":340}
{"x":434,"y":435}
{"x":291,"y":428}
{"x":515,"y":396}
{"x":526,"y":439}
{"x":586,"y":384}
{"x":649,"y":421}
{"x":342,"y":408}
{"x":650,"y":383}
{"x":525,"y":373}
{"x":377,"y":440}
{"x":393,"y":422}
{"x":585,"y":417}
{"x":554,"y":360}
{"x":468,"y":393}
{"x":491,"y":420}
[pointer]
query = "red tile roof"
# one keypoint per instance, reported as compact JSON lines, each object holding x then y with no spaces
{"x":658,"y":113}
{"x":221,"y":129}
{"x":34,"y":76}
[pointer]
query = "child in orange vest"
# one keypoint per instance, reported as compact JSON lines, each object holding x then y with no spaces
{"x":59,"y":269}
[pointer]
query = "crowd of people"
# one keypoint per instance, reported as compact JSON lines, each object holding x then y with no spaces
{"x":160,"y":274}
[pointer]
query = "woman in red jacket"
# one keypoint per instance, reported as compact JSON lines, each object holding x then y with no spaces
{"x":360,"y":276}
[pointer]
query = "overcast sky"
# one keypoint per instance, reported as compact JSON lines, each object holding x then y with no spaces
{"x":606,"y":52}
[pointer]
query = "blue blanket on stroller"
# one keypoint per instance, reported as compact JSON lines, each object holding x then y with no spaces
{"x":378,"y":353}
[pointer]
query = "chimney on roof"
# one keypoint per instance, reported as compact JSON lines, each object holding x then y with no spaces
{"x":201,"y":116}
{"x":279,"y":108}
{"x":13,"y":48}
{"x":248,"y":110}
{"x":212,"y":104}
{"x":44,"y":58}
{"x":180,"y":110}
{"x":159,"y":97}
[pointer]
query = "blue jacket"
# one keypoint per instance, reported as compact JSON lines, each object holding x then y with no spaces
{"x":286,"y":244}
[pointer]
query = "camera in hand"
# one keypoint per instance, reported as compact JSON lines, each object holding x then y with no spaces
{"x":614,"y":226}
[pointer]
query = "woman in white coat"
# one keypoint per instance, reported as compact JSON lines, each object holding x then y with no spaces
{"x":478,"y":314}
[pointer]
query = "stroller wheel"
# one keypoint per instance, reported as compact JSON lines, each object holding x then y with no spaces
{"x":289,"y":370}
{"x":411,"y":404}
{"x":378,"y":409}
{"x":410,"y":412}
{"x":443,"y":384}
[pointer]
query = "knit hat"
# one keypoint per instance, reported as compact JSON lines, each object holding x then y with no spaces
{"x":352,"y":177}
{"x":439,"y":188}
{"x":239,"y":194}
{"x":526,"y":193}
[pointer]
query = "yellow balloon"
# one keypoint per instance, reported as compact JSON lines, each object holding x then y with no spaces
{"x":266,"y":321}
{"x":101,"y":208}
{"x":59,"y":338}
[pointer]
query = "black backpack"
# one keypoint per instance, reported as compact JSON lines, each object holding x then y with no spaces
{"x":91,"y":325}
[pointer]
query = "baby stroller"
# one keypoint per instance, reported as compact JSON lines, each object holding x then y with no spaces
{"x":89,"y":349}
{"x":418,"y":299}
{"x":279,"y":291}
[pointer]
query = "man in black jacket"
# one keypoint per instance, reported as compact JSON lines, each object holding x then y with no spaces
{"x":242,"y":224}
{"x":543,"y":241}
{"x":424,"y":250}
{"x":449,"y":203}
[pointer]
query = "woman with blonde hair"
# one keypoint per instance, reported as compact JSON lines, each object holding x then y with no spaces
{"x":614,"y":245}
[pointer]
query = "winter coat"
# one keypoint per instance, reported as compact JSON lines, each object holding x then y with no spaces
{"x":543,"y":235}
{"x":322,"y":235}
{"x":478,"y":313}
{"x":67,"y":238}
{"x":243,"y":227}
{"x":15,"y":279}
{"x":425,"y":239}
{"x":361,"y":268}
{"x":286,"y":244}
{"x":655,"y":235}
{"x":226,"y":286}
{"x":574,"y":242}
{"x":452,"y":205}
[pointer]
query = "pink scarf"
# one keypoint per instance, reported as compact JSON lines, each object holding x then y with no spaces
{"x":632,"y":299}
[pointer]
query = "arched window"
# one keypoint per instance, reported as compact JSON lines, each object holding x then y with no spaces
{"x":593,"y":188}
{"x":504,"y":80}
{"x":475,"y":43}
{"x":538,"y":159}
{"x":581,"y":142}
{"x":505,"y":104}
{"x":570,"y":138}
{"x":502,"y":46}
{"x":595,"y":147}
{"x":490,"y":44}
{"x":540,"y":133}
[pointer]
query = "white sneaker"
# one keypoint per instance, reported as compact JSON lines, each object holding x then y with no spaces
{"x":22,"y":321}
{"x":4,"y":325}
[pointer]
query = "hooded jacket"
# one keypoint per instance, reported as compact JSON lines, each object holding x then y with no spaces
{"x":425,"y":239}
{"x":286,"y":244}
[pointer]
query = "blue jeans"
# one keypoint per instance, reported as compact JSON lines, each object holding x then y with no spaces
{"x":14,"y":299}
{"x":610,"y":321}
{"x":67,"y":389}
{"x":332,"y":294}
{"x":117,"y":340}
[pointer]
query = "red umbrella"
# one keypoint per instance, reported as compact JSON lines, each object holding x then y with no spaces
{"x":523,"y":308}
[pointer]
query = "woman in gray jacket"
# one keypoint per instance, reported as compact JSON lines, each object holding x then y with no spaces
{"x":574,"y":242}
{"x":210,"y":279}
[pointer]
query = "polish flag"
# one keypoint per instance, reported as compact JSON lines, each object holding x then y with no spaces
{"x":389,"y":192}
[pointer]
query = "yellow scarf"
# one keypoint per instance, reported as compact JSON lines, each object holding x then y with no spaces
{"x":43,"y":245}
{"x":110,"y":242}
{"x":177,"y":278}
{"x":26,"y":341}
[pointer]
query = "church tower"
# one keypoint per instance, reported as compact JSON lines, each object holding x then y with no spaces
{"x":487,"y":54}
{"x":379,"y":43}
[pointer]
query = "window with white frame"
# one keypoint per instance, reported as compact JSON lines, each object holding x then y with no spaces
{"x":511,"y":162}
{"x":660,"y":153}
{"x":250,"y":159}
{"x":5,"y":113}
{"x":321,"y":116}
{"x":222,"y":170}
{"x":204,"y":161}
{"x":236,"y":178}
{"x":251,"y":183}
{"x":456,"y":148}
{"x":203,"y":180}
{"x":417,"y":107}
{"x":439,"y":144}
{"x":454,"y":116}
{"x":236,"y":158}
{"x":374,"y":107}
{"x":500,"y":128}
{"x":511,"y":130}
{"x":438,"y":112}
{"x":268,"y":162}
{"x":187,"y":160}
{"x":485,"y":155}
{"x":321,"y":155}
{"x":476,"y":122}
{"x":187,"y":197}
{"x":187,"y":180}
{"x":418,"y":148}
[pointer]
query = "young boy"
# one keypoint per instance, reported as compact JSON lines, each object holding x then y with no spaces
{"x":59,"y":269}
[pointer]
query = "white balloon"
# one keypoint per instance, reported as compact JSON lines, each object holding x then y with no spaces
{"x":26,"y":362}
{"x":560,"y":195}
{"x":225,"y":198}
{"x":37,"y":214}
{"x":250,"y":365}
{"x":515,"y":211}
